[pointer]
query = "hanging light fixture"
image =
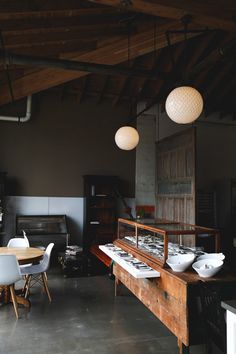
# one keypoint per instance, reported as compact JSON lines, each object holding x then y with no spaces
{"x":184,"y":104}
{"x":127,"y":137}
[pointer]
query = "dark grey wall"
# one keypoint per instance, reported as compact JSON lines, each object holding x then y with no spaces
{"x":64,"y":140}
{"x":216,"y":159}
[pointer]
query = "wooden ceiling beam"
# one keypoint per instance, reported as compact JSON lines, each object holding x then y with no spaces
{"x":81,"y":92}
{"x":103,"y":90}
{"x":198,"y":79}
{"x":54,"y":22}
{"x":218,"y":98}
{"x":55,"y":13}
{"x":226,"y":87}
{"x":112,"y":54}
{"x":124,"y":84}
{"x":157,"y":60}
{"x":222,"y":71}
{"x":78,"y":44}
{"x":95,"y":93}
{"x":164,"y":86}
{"x":200,"y":50}
{"x":176,"y":10}
{"x":83,"y":33}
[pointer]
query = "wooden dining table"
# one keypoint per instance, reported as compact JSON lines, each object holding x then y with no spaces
{"x":24,"y":255}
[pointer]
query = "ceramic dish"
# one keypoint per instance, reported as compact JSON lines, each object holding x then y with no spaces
{"x":181,"y":262}
{"x":219,"y":256}
{"x":208,"y":267}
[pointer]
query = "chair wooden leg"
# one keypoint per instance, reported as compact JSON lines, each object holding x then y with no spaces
{"x":45,"y":283}
{"x":27,"y":285}
{"x":13,"y":296}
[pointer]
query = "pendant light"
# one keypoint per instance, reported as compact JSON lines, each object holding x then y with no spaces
{"x":184,"y":104}
{"x":127,"y":137}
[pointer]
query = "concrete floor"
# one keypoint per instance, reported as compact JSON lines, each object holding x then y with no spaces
{"x":84,"y":318}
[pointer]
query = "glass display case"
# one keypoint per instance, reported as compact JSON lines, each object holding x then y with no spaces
{"x":156,"y":241}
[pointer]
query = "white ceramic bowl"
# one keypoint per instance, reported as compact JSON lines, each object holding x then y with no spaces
{"x":219,"y":256}
{"x":207,"y":267}
{"x":181,"y":262}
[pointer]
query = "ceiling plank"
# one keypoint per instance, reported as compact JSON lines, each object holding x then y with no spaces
{"x":176,"y":10}
{"x":112,"y":54}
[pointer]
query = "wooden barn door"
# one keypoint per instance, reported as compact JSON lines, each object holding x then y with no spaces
{"x":175,"y":183}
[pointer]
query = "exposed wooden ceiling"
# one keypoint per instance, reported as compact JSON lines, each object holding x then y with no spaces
{"x":128,"y":34}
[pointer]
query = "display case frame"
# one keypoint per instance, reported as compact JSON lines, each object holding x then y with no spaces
{"x":165,"y":229}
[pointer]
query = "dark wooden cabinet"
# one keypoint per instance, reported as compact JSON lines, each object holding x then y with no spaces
{"x":100,"y":223}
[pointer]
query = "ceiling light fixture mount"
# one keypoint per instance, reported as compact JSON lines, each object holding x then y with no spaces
{"x":126,"y":3}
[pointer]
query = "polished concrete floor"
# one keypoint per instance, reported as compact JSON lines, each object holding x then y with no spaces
{"x":84,"y":318}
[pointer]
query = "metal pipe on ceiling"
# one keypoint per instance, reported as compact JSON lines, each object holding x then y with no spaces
{"x":10,"y":58}
{"x":24,"y":119}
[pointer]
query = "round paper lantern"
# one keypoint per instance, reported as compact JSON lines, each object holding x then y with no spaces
{"x":127,"y":138}
{"x":184,"y":105}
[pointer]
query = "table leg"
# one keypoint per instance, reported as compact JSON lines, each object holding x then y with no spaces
{"x":23,"y":301}
{"x":182,"y":348}
{"x":6,"y":294}
{"x":19,"y":299}
{"x":117,"y":287}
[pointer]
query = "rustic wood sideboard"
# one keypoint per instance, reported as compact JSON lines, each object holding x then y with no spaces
{"x":174,"y":298}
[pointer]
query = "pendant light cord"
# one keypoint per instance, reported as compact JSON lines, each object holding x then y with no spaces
{"x":6,"y":67}
{"x":186,"y":21}
{"x":7,"y":71}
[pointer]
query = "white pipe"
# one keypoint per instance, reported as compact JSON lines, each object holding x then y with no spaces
{"x":24,"y":119}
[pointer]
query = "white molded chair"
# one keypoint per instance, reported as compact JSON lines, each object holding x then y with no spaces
{"x":9,"y":275}
{"x":37,"y":273}
{"x":18,"y":242}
